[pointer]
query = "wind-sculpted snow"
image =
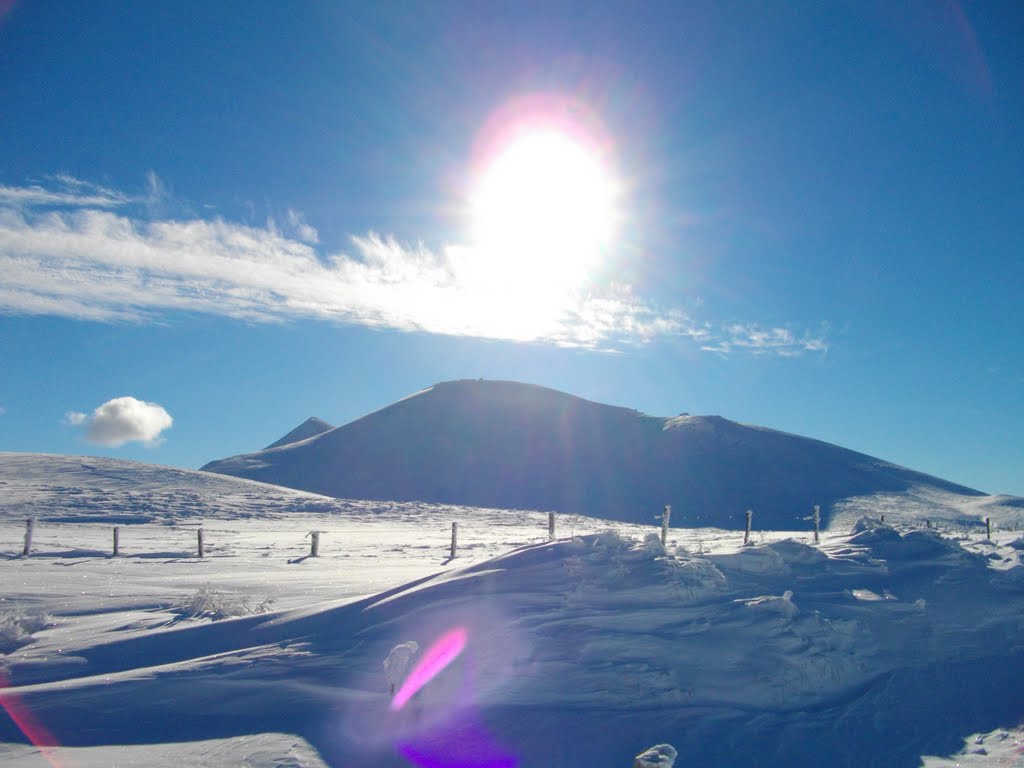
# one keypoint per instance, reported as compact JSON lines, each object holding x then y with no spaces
{"x":870,"y":650}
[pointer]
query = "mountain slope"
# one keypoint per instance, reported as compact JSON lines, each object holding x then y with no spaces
{"x":512,"y":445}
{"x":97,"y":489}
{"x":311,"y":427}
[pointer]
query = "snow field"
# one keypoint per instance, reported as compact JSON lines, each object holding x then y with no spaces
{"x":872,"y":649}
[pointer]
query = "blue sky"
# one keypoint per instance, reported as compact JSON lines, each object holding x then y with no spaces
{"x":244,"y":214}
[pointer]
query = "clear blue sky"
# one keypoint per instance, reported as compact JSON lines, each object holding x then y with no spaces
{"x":249,"y":213}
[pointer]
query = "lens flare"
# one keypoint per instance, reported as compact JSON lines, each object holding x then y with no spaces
{"x":34,"y":731}
{"x":442,"y":653}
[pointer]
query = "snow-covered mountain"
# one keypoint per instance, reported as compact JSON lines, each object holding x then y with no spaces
{"x":311,"y":427}
{"x":511,"y":445}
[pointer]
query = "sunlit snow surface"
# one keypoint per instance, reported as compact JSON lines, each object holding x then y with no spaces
{"x":871,"y":649}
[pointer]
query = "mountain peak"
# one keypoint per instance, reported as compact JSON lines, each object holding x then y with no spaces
{"x":311,"y":427}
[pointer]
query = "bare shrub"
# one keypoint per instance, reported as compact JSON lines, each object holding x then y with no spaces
{"x":213,"y":604}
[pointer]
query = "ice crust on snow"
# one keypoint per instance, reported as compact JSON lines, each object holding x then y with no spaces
{"x":396,"y":665}
{"x":661,"y":756}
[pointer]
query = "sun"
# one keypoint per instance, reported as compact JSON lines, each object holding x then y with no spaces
{"x":543,"y":210}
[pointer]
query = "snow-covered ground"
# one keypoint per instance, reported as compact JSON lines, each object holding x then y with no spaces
{"x":876,"y":648}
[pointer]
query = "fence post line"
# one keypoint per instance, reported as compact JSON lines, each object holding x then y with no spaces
{"x":817,"y":523}
{"x":30,"y":525}
{"x":199,"y":542}
{"x":746,"y":535}
{"x":455,"y":539}
{"x":117,"y":541}
{"x":551,"y":526}
{"x":665,"y":515}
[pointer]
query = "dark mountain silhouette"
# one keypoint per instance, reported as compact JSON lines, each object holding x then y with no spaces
{"x":511,"y":445}
{"x":311,"y":427}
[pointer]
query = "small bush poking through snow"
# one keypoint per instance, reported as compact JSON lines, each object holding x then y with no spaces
{"x":17,"y":626}
{"x":210,"y":603}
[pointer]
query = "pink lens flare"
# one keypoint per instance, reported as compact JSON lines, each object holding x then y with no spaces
{"x":442,"y":653}
{"x":34,"y":731}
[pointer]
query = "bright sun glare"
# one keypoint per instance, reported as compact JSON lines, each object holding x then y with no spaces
{"x":542,"y":212}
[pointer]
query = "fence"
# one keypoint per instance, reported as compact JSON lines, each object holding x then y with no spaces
{"x":307,"y":537}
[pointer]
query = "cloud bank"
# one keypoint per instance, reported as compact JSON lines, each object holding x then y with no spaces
{"x":86,"y":252}
{"x":123,"y":420}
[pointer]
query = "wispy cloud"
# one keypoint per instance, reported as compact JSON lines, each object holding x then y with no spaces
{"x":300,"y":229}
{"x":757,"y":340}
{"x":123,"y":420}
{"x":63,"y":190}
{"x":87,"y":252}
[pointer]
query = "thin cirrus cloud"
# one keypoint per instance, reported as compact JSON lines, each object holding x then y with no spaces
{"x":74,"y":249}
{"x":123,"y":420}
{"x":783,"y":342}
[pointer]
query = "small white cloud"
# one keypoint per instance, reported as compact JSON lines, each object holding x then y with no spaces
{"x":123,"y":420}
{"x":2,"y":410}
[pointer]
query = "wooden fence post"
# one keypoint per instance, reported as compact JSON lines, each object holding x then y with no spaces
{"x":314,"y":544}
{"x":817,"y":523}
{"x":665,"y":515}
{"x":199,"y":543}
{"x":117,"y":541}
{"x":551,"y":526}
{"x":455,"y":539}
{"x":988,"y":528}
{"x":30,"y":525}
{"x":746,"y":536}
